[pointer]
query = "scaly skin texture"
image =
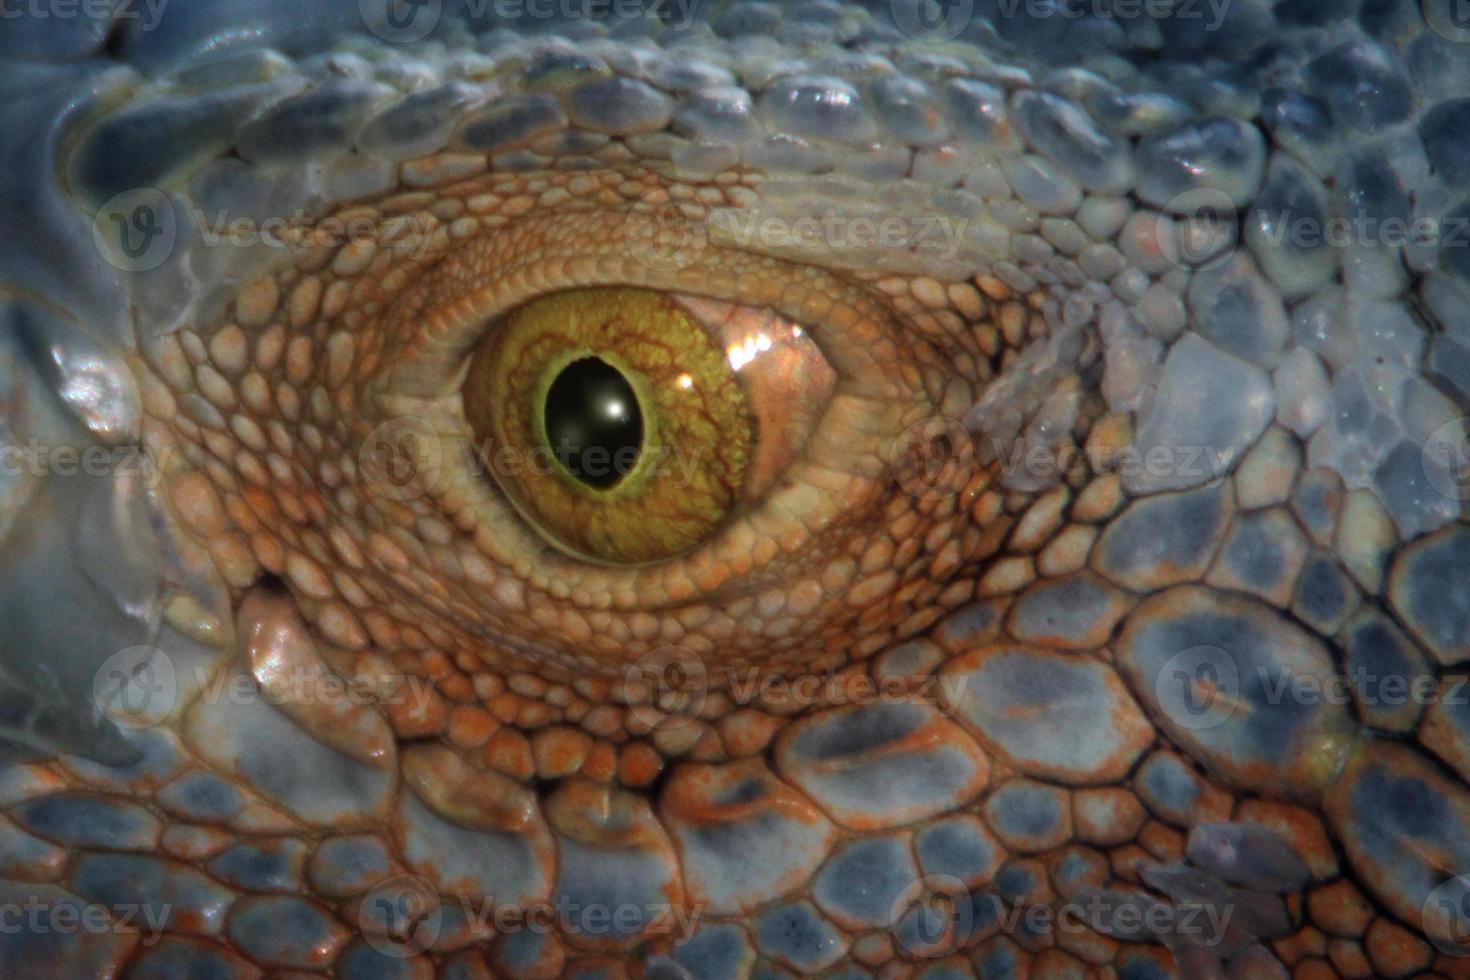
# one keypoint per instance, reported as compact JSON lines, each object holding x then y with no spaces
{"x":1111,"y":622}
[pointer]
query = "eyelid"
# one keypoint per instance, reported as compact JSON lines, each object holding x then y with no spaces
{"x":443,"y":310}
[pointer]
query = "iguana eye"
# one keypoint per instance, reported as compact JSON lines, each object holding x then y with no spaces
{"x":627,"y":425}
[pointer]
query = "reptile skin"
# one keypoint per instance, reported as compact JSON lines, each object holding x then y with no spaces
{"x":1114,"y":620}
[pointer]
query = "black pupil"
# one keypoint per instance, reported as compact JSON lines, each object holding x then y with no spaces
{"x":593,"y":422}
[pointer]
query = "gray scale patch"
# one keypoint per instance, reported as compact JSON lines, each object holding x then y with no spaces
{"x":1324,"y":594}
{"x":1303,"y":392}
{"x":1429,"y":588}
{"x":1317,"y":503}
{"x":1040,"y":185}
{"x":724,"y":113}
{"x":720,"y":952}
{"x":1387,"y":671}
{"x":58,"y":949}
{"x":1029,"y":817}
{"x":418,"y":125}
{"x":863,"y":880}
{"x":620,"y":106}
{"x":349,"y":865}
{"x":148,"y":145}
{"x":1248,"y":855}
{"x":1299,"y":122}
{"x":285,"y":763}
{"x":91,"y":822}
{"x":1209,"y":409}
{"x":1411,"y":482}
{"x":978,"y":111}
{"x":819,"y":107}
{"x":1222,"y":675}
{"x":1057,"y":716}
{"x":1262,"y":555}
{"x":958,"y":846}
{"x":1165,"y":539}
{"x":202,"y":796}
{"x":1238,"y":311}
{"x":908,"y":109}
{"x":857,"y":764}
{"x":176,"y":957}
{"x":1362,"y":83}
{"x":457,"y":858}
{"x":283,"y":931}
{"x":263,"y":866}
{"x":361,"y":961}
{"x":797,"y":934}
{"x":1069,"y":612}
{"x":306,"y":126}
{"x":512,"y":122}
{"x":187,"y":899}
{"x":1224,"y":155}
{"x":1287,"y":229}
{"x":1068,"y":137}
{"x":1169,"y":787}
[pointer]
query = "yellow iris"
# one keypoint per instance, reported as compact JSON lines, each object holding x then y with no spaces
{"x":652,"y":482}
